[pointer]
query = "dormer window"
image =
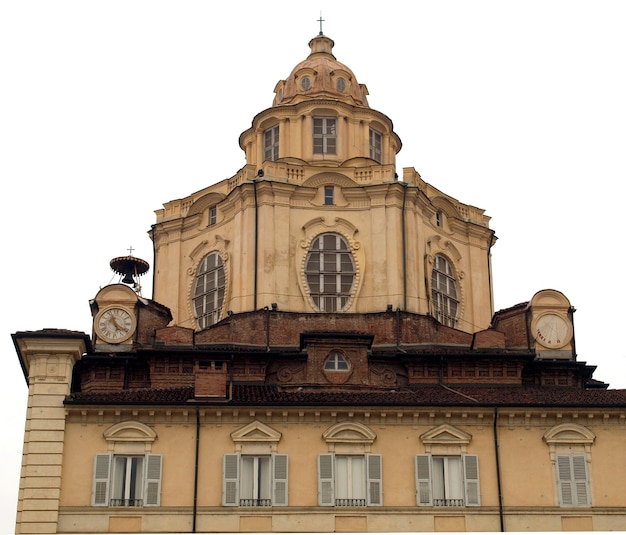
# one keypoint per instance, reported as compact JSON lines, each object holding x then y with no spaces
{"x":305,"y":83}
{"x":376,"y":145}
{"x":270,"y":144}
{"x":212,"y":215}
{"x":324,"y":135}
{"x":341,"y":85}
{"x":336,"y":362}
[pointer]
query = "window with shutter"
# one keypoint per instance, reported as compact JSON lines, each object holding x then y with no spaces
{"x":350,"y":480}
{"x":326,"y":479}
{"x":374,"y":479}
{"x":280,"y":480}
{"x":447,"y":480}
{"x":230,"y":487}
{"x":153,"y":480}
{"x":127,"y":480}
{"x":101,"y":478}
{"x":255,"y":480}
{"x":572,"y":480}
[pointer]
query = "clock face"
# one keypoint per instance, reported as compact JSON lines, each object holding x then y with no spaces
{"x":115,"y":325}
{"x":552,"y":330}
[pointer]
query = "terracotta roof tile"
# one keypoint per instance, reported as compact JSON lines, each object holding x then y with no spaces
{"x":253,"y":394}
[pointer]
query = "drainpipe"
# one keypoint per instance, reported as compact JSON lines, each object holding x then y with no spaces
{"x":497,"y":448}
{"x":153,"y":258}
{"x":256,"y":238}
{"x":195,"y":476}
{"x":489,"y":270}
{"x":404,"y":246}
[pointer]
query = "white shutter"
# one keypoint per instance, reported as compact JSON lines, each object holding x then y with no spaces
{"x":326,"y":479}
{"x":564,"y":479}
{"x":152,"y":491}
{"x":280,"y":490}
{"x":423,"y":480}
{"x":374,"y":479}
{"x":101,"y":478}
{"x":472,"y":483}
{"x":230,"y":488}
{"x":581,"y":481}
{"x":572,"y":480}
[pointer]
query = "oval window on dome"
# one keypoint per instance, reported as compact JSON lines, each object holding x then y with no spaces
{"x":330,"y":272}
{"x":305,"y":83}
{"x":341,"y":84}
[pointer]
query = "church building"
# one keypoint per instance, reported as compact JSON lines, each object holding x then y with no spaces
{"x":320,"y":353}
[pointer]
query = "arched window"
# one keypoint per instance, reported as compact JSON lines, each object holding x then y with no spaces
{"x":208,"y":293}
{"x":444,"y":292}
{"x":330,"y":272}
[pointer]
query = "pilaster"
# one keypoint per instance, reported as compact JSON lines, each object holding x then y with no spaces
{"x":48,"y":363}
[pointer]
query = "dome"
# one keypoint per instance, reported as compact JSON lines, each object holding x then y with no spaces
{"x":320,"y":76}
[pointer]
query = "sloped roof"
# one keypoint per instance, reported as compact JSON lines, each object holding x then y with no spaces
{"x":428,"y":395}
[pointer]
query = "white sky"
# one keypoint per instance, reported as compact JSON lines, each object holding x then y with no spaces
{"x":108,"y":109}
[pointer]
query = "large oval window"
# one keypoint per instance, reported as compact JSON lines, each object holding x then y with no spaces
{"x":330,"y":272}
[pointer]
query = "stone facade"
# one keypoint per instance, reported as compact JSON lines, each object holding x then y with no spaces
{"x":321,"y":354}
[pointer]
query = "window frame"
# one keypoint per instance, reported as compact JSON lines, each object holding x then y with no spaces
{"x":232,"y":484}
{"x":329,"y":195}
{"x":572,"y":480}
{"x":328,"y":287}
{"x":336,"y":359}
{"x":325,"y":135}
{"x":376,"y":145}
{"x":445,"y":291}
{"x":372,"y":480}
{"x":105,"y":480}
{"x":424,"y":480}
{"x":208,"y":313}
{"x":271,"y":143}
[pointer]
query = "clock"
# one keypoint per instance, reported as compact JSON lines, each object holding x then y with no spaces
{"x":552,"y":330}
{"x":115,"y":324}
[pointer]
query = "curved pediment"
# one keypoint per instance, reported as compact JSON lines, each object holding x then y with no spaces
{"x":130,"y":431}
{"x":349,"y":433}
{"x":201,"y":204}
{"x":322,"y":179}
{"x":569,"y":434}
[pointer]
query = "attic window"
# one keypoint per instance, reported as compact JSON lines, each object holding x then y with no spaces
{"x":341,"y":85}
{"x":305,"y":83}
{"x":336,"y":362}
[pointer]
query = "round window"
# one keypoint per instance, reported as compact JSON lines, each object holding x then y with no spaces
{"x":341,"y":84}
{"x":305,"y":83}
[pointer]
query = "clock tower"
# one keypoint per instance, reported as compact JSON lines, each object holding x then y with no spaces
{"x":551,"y":325}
